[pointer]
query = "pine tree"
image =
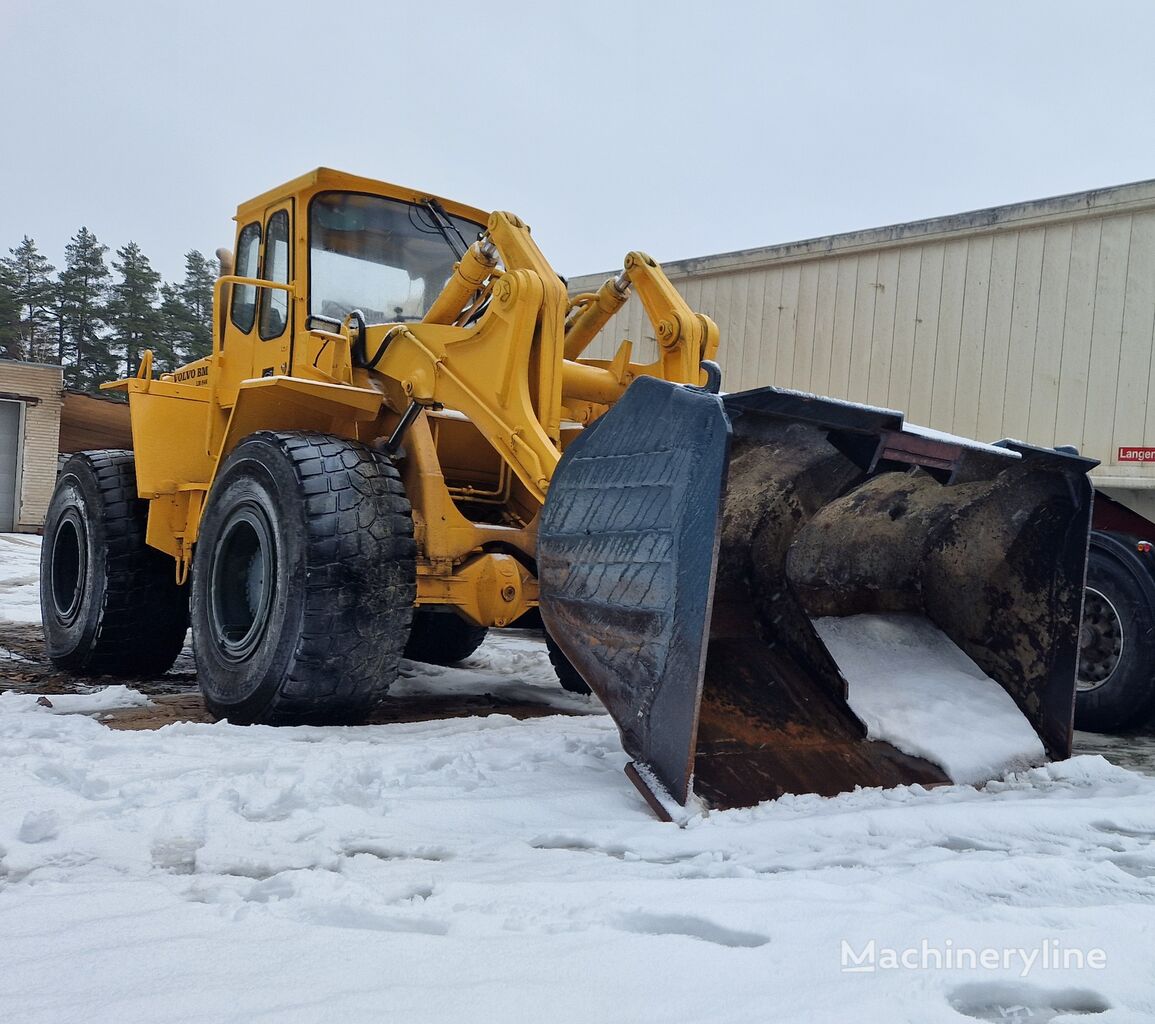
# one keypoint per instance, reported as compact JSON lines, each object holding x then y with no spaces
{"x":11,"y":344}
{"x":196,"y":292}
{"x":30,"y":273}
{"x":132,"y":309}
{"x":85,"y":346}
{"x":186,"y":314}
{"x":200,"y":276}
{"x":172,"y":336}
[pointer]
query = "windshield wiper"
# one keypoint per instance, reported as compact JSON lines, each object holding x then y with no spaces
{"x":444,"y":224}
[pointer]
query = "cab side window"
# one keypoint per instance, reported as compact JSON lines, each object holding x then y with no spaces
{"x":244,"y":304}
{"x":274,"y":301}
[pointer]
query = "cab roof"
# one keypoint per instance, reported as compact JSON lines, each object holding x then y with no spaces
{"x":324,"y":179}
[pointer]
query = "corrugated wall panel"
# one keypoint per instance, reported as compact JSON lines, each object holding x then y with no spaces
{"x":862,"y":332}
{"x":972,"y":335}
{"x":949,"y":339}
{"x":771,"y":314}
{"x":996,"y":338}
{"x":1102,"y":378}
{"x":844,"y":300}
{"x":1024,"y":332}
{"x":882,"y":330}
{"x":819,"y":381}
{"x":752,"y":327}
{"x":732,"y":308}
{"x":1077,"y":324}
{"x":933,"y":266}
{"x":1135,"y":418}
{"x":737,"y":314}
{"x":905,"y":324}
{"x":1049,"y":335}
{"x":787,"y":325}
{"x":804,"y":331}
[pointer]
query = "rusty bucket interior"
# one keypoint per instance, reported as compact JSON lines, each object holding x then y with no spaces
{"x":690,"y":541}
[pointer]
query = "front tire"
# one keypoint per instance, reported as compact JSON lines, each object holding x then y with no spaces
{"x":303,"y":581}
{"x":1116,"y":677}
{"x":110,"y":604}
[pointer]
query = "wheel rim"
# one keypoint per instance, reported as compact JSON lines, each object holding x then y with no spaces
{"x":242,"y":583}
{"x":69,"y":566}
{"x":1100,"y":641}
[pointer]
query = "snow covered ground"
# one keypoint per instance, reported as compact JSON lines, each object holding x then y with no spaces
{"x":488,"y":869}
{"x":19,"y":577}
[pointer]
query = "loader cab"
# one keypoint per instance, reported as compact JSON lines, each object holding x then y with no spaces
{"x":330,"y":258}
{"x":321,"y":247}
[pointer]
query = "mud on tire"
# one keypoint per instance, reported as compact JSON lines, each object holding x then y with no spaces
{"x":110,"y":604}
{"x":303,"y":581}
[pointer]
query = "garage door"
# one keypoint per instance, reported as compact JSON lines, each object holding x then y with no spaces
{"x":9,"y":462}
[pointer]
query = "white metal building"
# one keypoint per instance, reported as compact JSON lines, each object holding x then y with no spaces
{"x":1034,"y":321}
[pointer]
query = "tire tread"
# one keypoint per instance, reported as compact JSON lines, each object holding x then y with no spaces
{"x":143,"y":617}
{"x":358,"y":535}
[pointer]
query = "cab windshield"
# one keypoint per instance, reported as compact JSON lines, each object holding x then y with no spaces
{"x":387,"y":258}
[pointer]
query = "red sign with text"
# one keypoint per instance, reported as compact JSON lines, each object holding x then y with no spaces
{"x":1137,"y":454}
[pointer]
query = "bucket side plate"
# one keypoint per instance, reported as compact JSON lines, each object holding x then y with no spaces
{"x":627,"y":550}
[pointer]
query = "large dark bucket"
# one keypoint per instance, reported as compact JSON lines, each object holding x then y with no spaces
{"x":689,"y":540}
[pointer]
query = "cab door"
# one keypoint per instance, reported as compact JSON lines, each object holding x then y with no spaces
{"x":234,"y":362}
{"x":273,"y":348}
{"x":257,"y":340}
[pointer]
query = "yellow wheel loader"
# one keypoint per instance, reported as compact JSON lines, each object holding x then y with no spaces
{"x":397,"y":443}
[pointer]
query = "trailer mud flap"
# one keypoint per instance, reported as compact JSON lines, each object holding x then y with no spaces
{"x":688,"y":541}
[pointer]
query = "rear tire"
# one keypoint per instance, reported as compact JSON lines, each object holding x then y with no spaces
{"x":442,"y":637}
{"x":1116,"y":684}
{"x":569,"y":677}
{"x":303,"y":581}
{"x":110,"y":604}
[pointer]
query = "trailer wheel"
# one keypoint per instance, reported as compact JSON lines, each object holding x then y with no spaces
{"x":567,"y":675}
{"x":303,"y":581}
{"x":110,"y":604}
{"x":442,"y":637}
{"x":1116,"y":678}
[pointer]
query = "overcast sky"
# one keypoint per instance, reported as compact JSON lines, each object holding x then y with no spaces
{"x":683,"y":129}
